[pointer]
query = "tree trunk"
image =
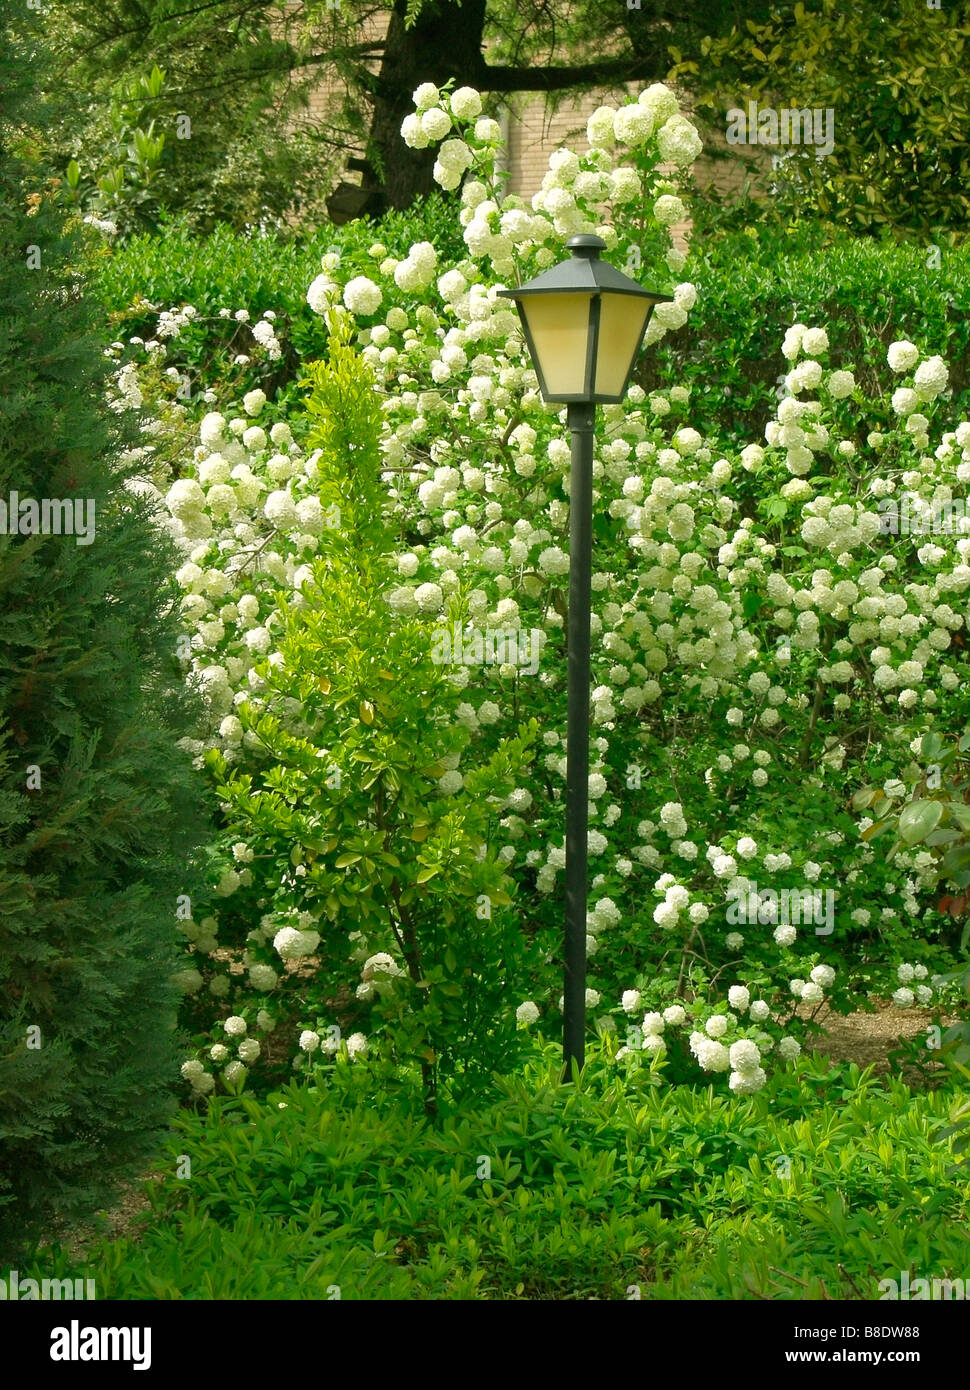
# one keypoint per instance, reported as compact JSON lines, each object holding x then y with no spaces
{"x":444,"y":42}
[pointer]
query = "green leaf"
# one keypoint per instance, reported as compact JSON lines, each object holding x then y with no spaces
{"x":960,"y":812}
{"x":917,"y":820}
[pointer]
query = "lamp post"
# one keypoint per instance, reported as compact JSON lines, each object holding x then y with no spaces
{"x":584,"y":321}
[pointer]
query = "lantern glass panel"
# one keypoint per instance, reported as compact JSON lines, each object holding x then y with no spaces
{"x":623,"y":318}
{"x":559,"y":327}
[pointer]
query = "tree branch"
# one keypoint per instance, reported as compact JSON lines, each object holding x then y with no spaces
{"x":627,"y":69}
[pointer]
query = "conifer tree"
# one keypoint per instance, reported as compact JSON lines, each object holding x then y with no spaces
{"x":99,"y":818}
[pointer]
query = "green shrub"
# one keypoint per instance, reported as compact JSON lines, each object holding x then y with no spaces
{"x":751,"y":286}
{"x":354,"y":841}
{"x":98,"y":814}
{"x":231,"y":279}
{"x":741,"y":600}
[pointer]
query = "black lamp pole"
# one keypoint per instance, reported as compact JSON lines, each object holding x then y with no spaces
{"x":585,"y":282}
{"x":581,"y":419}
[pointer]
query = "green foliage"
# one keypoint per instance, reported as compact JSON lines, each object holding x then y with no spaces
{"x":256,"y":271}
{"x":711,"y":559}
{"x":121,"y":187}
{"x":751,"y":285}
{"x":548,"y":1192}
{"x":895,"y":79}
{"x":935,"y":815}
{"x":98,"y":815}
{"x":226,"y":118}
{"x":353,"y":832}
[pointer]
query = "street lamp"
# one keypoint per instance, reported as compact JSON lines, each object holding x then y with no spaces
{"x":584,"y":321}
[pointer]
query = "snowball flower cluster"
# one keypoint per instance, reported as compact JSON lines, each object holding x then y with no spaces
{"x":362,"y":296}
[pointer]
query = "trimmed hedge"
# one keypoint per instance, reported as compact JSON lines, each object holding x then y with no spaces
{"x":866,"y":295}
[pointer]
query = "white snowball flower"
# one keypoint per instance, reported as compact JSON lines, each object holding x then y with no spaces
{"x":435,"y":123}
{"x":320,"y":295}
{"x":746,"y":1083}
{"x":291,"y":944}
{"x":716,"y":1026}
{"x":902,"y":356}
{"x":527,"y":1013}
{"x":429,"y":598}
{"x":931,"y":378}
{"x":362,"y":296}
{"x":744,"y":1055}
{"x":633,"y":124}
{"x":413,"y":133}
{"x":739,"y":999}
{"x":262,"y":978}
{"x":678,"y":142}
{"x":814,"y":341}
{"x":668,"y":210}
{"x":426,"y":96}
{"x":488,"y":131}
{"x":840,"y":385}
{"x":712,"y":1056}
{"x":630,"y":1001}
{"x":465,"y":103}
{"x":599,"y":127}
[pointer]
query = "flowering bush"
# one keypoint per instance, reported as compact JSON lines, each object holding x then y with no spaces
{"x":760,"y":638}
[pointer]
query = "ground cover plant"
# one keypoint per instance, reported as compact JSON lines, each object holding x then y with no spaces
{"x":339,"y":1190}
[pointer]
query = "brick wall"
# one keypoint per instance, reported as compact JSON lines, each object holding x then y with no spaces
{"x":533,"y":135}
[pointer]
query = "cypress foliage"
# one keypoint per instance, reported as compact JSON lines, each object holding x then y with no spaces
{"x":99,"y":809}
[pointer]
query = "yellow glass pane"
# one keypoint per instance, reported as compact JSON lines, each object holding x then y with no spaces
{"x":559,"y":325}
{"x":622,"y":319}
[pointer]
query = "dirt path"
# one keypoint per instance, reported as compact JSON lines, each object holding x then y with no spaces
{"x":868,"y":1038}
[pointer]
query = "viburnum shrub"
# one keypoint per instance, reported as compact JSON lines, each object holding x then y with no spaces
{"x":762,"y":639}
